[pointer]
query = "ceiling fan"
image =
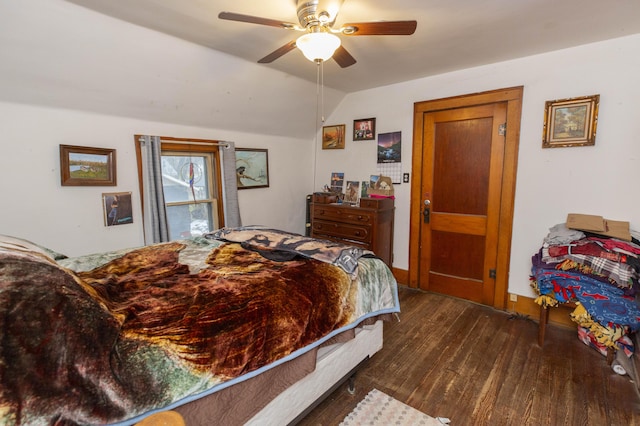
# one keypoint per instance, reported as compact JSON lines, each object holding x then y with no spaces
{"x":320,"y":42}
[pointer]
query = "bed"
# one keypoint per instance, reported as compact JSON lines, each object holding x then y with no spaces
{"x":244,"y":325}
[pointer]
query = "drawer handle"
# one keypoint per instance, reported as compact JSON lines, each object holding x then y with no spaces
{"x":357,"y":233}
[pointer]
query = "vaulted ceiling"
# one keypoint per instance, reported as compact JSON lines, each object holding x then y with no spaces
{"x":450,"y":35}
{"x":130,"y":58}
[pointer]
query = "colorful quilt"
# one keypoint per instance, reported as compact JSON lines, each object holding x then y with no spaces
{"x":110,"y":338}
{"x":605,"y":303}
{"x":600,"y":274}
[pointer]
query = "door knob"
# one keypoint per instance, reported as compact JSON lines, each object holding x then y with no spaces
{"x":426,"y":213}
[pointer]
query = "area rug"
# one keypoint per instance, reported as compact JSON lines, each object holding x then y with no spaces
{"x":378,"y":408}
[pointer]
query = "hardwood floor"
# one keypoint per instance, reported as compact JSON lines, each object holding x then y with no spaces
{"x":480,"y":366}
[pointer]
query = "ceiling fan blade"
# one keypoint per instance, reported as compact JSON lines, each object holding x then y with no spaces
{"x":380,"y":28}
{"x":230,"y":16}
{"x":278,"y":52}
{"x":343,"y":58}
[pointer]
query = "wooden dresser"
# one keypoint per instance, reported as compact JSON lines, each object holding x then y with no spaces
{"x":369,"y":225}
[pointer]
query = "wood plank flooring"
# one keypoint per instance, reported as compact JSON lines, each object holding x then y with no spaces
{"x":480,"y":366}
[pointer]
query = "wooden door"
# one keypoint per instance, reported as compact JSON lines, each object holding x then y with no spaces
{"x":462,"y":187}
{"x":458,"y":198}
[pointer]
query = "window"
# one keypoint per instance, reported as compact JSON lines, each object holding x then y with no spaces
{"x":192,"y":187}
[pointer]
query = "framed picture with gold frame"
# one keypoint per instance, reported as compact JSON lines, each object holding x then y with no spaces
{"x":333,"y":136}
{"x":570,"y":122}
{"x":86,"y":166}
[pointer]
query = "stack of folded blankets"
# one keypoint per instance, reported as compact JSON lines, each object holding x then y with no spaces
{"x":599,"y":273}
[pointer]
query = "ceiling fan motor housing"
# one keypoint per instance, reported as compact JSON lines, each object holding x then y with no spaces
{"x":313,"y":13}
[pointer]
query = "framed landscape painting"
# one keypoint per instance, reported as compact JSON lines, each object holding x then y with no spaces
{"x":333,"y":137}
{"x":570,"y":122}
{"x":85,"y":166}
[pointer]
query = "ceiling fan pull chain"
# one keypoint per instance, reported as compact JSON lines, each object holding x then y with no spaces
{"x":319,"y":93}
{"x":321,"y":64}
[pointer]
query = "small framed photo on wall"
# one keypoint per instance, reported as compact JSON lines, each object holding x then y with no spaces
{"x":117,"y":208}
{"x":364,"y":129}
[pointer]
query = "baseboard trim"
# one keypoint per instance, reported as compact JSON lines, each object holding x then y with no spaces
{"x":524,"y":305}
{"x":557,"y":316}
{"x":401,"y":275}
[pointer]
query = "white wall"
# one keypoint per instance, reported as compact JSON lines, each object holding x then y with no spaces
{"x":58,"y":54}
{"x":600,"y":180}
{"x":70,"y":219}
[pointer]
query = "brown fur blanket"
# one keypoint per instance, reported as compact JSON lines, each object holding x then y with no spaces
{"x":142,"y":331}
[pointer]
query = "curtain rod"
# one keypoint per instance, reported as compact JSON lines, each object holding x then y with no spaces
{"x":224,"y":144}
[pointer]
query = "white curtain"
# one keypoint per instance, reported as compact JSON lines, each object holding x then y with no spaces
{"x":156,"y":226}
{"x":230,"y":186}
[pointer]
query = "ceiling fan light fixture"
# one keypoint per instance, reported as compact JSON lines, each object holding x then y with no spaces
{"x":318,"y":46}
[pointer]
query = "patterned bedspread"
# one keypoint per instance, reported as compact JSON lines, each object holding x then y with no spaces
{"x":109,"y":338}
{"x":280,"y":245}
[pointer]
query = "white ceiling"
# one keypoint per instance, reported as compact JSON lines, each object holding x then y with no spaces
{"x":451,"y":34}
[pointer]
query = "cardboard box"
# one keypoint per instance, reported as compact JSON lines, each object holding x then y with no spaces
{"x":599,"y":225}
{"x":619,"y":230}
{"x":586,"y":222}
{"x":383,"y":186}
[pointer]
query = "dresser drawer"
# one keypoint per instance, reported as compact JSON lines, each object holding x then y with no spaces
{"x":342,"y":214}
{"x":376,"y":203}
{"x":369,"y":225}
{"x":341,"y":230}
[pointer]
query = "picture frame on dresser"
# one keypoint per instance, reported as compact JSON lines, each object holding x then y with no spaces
{"x":570,"y":122}
{"x":87,"y":166}
{"x":364,"y":188}
{"x":352,"y":193}
{"x":337,"y":182}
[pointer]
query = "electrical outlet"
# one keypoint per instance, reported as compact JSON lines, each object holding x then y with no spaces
{"x":405,"y":177}
{"x":513,"y":297}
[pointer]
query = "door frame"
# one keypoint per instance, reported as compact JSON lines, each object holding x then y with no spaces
{"x":513,"y":98}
